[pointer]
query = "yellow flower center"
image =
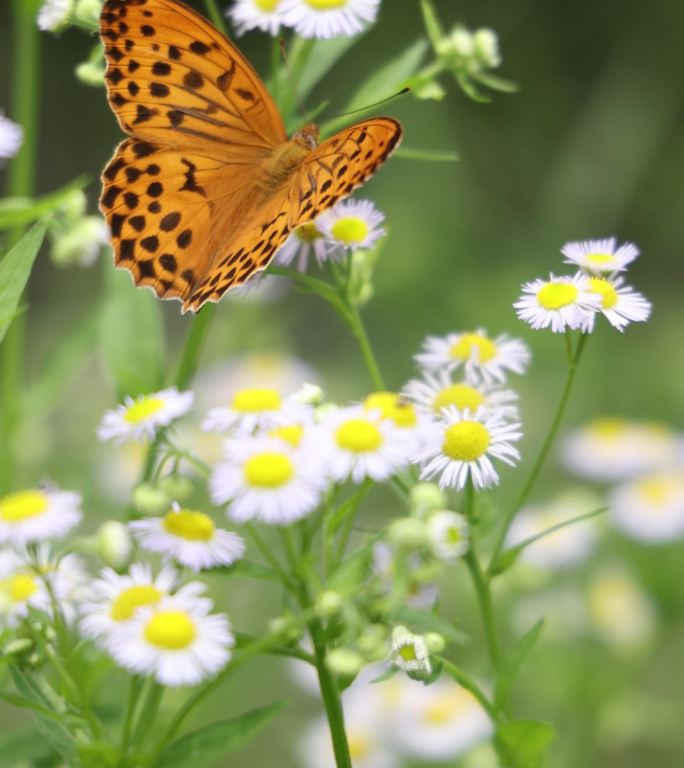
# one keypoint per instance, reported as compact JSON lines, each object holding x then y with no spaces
{"x":606,"y":290}
{"x":600,"y":259}
{"x":360,"y":745}
{"x":392,"y":407}
{"x":170,"y":630}
{"x":19,"y":588}
{"x":291,"y":433}
{"x":655,"y":490}
{"x":189,"y":524}
{"x":464,"y":348}
{"x":557,"y":295}
{"x":358,"y":436}
{"x":268,"y":470}
{"x":444,"y":708}
{"x":453,"y":535}
{"x":256,"y":400}
{"x":609,"y":429}
{"x":326,"y":5}
{"x":460,"y":395}
{"x":308,"y":233}
{"x":129,"y":600}
{"x":22,"y":505}
{"x":350,"y":230}
{"x":466,"y":441}
{"x":408,"y":652}
{"x":142,"y":409}
{"x":266,"y":5}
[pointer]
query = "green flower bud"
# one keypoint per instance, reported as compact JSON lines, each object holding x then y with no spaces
{"x":424,"y":497}
{"x":372,"y":642}
{"x":150,"y":500}
{"x":486,"y":47}
{"x":113,"y":544}
{"x":18,"y":647}
{"x":55,"y":15}
{"x":328,"y":604}
{"x":435,"y":642}
{"x":80,"y":244}
{"x":407,"y":532}
{"x":91,"y":73}
{"x":285,"y":628}
{"x":88,"y":13}
{"x":176,"y":487}
{"x":345,"y":662}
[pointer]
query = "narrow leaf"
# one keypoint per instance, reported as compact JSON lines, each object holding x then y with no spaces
{"x":429,"y":155}
{"x":17,"y":700}
{"x":523,"y":743}
{"x":432,"y":22}
{"x":512,"y":664}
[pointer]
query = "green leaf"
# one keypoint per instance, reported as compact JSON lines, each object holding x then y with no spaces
{"x":21,"y":745}
{"x":432,"y":22}
{"x":15,"y":269}
{"x":22,"y":211}
{"x":523,"y":743}
{"x":132,"y":337}
{"x":206,"y":745}
{"x":58,"y":737}
{"x":512,"y":664}
{"x":27,"y":687}
{"x":428,"y":155}
{"x":23,"y":702}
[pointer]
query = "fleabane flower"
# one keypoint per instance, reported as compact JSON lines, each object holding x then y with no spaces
{"x":448,"y":535}
{"x":359,"y":443}
{"x":353,"y":224}
{"x":329,"y":18}
{"x":190,"y":538}
{"x":38,"y":514}
{"x":304,"y":241}
{"x":255,"y":408}
{"x":558,"y":303}
{"x":463,"y":445}
{"x":21,"y":588}
{"x":268,"y":479}
{"x":403,"y":414}
{"x":410,"y":652}
{"x":598,"y":257}
{"x":256,"y":14}
{"x":11,"y":137}
{"x":176,"y":641}
{"x":482,"y":357}
{"x":140,"y":418}
{"x":54,"y":14}
{"x":619,"y":304}
{"x":651,"y":508}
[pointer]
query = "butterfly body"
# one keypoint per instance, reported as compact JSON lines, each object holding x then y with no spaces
{"x":208,"y":186}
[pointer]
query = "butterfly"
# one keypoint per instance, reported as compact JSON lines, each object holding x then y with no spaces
{"x":207,"y":186}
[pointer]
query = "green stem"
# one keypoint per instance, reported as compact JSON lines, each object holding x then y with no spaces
{"x":359,"y":331}
{"x":464,"y":679}
{"x":573,"y":359}
{"x":133,"y":698}
{"x":149,"y":711}
{"x":215,"y":15}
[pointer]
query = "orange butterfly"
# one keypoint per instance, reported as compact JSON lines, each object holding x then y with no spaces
{"x":208,"y":186}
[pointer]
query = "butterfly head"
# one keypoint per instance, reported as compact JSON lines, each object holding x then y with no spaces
{"x":307,"y":136}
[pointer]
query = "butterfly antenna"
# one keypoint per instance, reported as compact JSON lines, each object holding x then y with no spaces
{"x":293,"y":85}
{"x":377,"y":103}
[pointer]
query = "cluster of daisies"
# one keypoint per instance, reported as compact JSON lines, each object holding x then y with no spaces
{"x":574,"y":301}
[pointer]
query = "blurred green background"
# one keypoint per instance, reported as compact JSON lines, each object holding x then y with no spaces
{"x":591,"y":146}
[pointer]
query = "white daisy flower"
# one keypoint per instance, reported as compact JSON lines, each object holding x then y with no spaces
{"x":353,"y":224}
{"x":359,"y":444}
{"x":483,"y":358}
{"x":461,"y":447}
{"x":11,"y":137}
{"x":190,"y":538}
{"x":410,"y":652}
{"x":404,"y":415}
{"x":139,"y":419}
{"x":116,"y":599}
{"x":329,"y":18}
{"x":267,"y":479}
{"x":38,"y":514}
{"x":256,"y":14}
{"x":176,"y":641}
{"x":600,"y":256}
{"x":305,"y":241}
{"x":21,"y":588}
{"x":436,"y":391}
{"x":54,"y":14}
{"x":558,"y":303}
{"x":651,"y":509}
{"x":612,"y":448}
{"x":448,"y":534}
{"x":256,"y":408}
{"x":619,"y":304}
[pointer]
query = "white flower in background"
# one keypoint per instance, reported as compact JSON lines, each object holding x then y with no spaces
{"x":486,"y":47}
{"x":418,"y":592}
{"x":436,"y":391}
{"x":613,"y":448}
{"x":38,"y":514}
{"x":483,"y":358}
{"x":410,"y":652}
{"x":353,"y":224}
{"x":620,"y":304}
{"x":558,"y":303}
{"x":562,"y":548}
{"x":562,"y":608}
{"x":80,"y":244}
{"x":302,"y":243}
{"x":358,"y":444}
{"x":11,"y":137}
{"x":140,"y":418}
{"x":256,"y":408}
{"x":177,"y":641}
{"x":329,"y":18}
{"x":21,"y":588}
{"x":461,"y":446}
{"x":190,"y":538}
{"x":448,"y":535}
{"x":439,"y":722}
{"x":621,"y":612}
{"x":54,"y":14}
{"x":599,"y":257}
{"x":651,"y":508}
{"x":256,"y":14}
{"x":116,"y":598}
{"x":267,"y":479}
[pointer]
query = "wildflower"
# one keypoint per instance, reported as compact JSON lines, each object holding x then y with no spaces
{"x":323,"y":19}
{"x":353,"y":224}
{"x":54,"y":15}
{"x":448,"y":533}
{"x":11,"y":137}
{"x":461,"y":447}
{"x":486,"y":48}
{"x":21,"y":588}
{"x":256,"y":14}
{"x":139,"y":419}
{"x":483,"y":358}
{"x":393,"y":407}
{"x":410,"y":652}
{"x":651,"y":508}
{"x":559,"y":303}
{"x":266,"y":479}
{"x":81,"y":243}
{"x":189,"y":537}
{"x":619,"y":304}
{"x":426,"y":497}
{"x":176,"y":641}
{"x":38,"y":514}
{"x":255,"y":408}
{"x":600,"y":256}
{"x":304,"y":241}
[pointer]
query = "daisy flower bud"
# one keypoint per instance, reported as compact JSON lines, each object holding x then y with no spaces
{"x":345,"y":662}
{"x":113,"y":543}
{"x":435,"y":642}
{"x":91,"y":72}
{"x":329,"y":603}
{"x":88,"y":13}
{"x":54,"y":15}
{"x":176,"y":487}
{"x":424,"y":497}
{"x":407,"y":533}
{"x":148,"y":499}
{"x":486,"y":48}
{"x":410,"y":653}
{"x":559,"y":303}
{"x":81,"y":243}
